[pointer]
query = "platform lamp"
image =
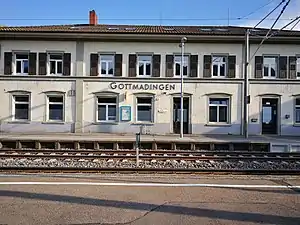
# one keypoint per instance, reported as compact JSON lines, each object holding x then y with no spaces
{"x":183,"y":40}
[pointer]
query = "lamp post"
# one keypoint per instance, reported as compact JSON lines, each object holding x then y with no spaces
{"x":183,"y":40}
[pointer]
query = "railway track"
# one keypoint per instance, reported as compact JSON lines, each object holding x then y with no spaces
{"x":150,"y":161}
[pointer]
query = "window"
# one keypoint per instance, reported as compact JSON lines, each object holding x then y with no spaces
{"x":107,"y":109}
{"x":219,"y":110}
{"x":297,"y":110}
{"x":56,"y":108}
{"x":270,"y":67}
{"x":177,"y":65}
{"x":144,"y":109}
{"x":219,"y":66}
{"x":22,"y":63}
{"x":107,"y":65}
{"x":144,"y":65}
{"x":56,"y":64}
{"x":298,"y":67}
{"x":21,"y":107}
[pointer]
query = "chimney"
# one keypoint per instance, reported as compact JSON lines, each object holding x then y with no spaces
{"x":93,"y":18}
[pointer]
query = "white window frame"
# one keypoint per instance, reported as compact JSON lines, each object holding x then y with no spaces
{"x":144,"y":62}
{"x":144,"y":104}
{"x":22,"y":64}
{"x":107,"y":63}
{"x":56,"y":62}
{"x":177,"y":60}
{"x":55,"y":103}
{"x":14,"y":102}
{"x":106,"y":108}
{"x":269,"y":67}
{"x":218,"y":109}
{"x":219,"y":64}
{"x":298,"y":67}
{"x":296,"y":107}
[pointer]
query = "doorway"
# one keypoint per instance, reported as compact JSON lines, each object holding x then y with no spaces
{"x":269,"y":120}
{"x":176,"y":115}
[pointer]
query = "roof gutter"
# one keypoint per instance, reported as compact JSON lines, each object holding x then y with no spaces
{"x":137,"y":37}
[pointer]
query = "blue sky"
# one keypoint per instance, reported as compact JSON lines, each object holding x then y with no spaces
{"x":186,"y":12}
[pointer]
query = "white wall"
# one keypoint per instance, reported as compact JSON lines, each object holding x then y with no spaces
{"x":163,"y":49}
{"x":39,"y":46}
{"x":283,"y":50}
{"x":38,"y":98}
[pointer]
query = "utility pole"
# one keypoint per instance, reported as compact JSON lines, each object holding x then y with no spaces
{"x":183,"y":40}
{"x":246,"y":85}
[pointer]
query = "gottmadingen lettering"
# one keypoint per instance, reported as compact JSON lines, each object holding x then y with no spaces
{"x":161,"y":87}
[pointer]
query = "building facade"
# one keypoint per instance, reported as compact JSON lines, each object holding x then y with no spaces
{"x":126,"y":79}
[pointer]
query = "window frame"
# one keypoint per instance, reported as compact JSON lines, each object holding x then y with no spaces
{"x":298,"y":66}
{"x":13,"y":106}
{"x":223,"y":96}
{"x":276,"y":57}
{"x":218,"y":64}
{"x":15,"y":60}
{"x":144,"y":64}
{"x":144,"y":104}
{"x":179,"y":62}
{"x":48,"y":95}
{"x":106,"y":108}
{"x":106,"y":62}
{"x":56,"y":60}
{"x":295,"y":108}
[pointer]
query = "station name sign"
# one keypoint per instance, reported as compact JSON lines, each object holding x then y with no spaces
{"x":144,"y":86}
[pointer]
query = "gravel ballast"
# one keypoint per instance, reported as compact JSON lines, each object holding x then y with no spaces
{"x":173,"y":164}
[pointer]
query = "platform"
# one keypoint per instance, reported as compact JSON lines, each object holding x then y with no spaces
{"x":127,"y":141}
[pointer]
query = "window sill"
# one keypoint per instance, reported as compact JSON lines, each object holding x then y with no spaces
{"x":218,"y":125}
{"x":296,"y":124}
{"x":143,"y":123}
{"x":53,"y":122}
{"x":105,"y":123}
{"x":19,"y":122}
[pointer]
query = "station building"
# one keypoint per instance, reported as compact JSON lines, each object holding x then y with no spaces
{"x":93,"y":78}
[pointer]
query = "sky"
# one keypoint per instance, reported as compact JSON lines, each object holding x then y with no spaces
{"x":154,"y":12}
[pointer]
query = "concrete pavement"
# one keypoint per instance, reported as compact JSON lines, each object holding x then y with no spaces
{"x":81,"y":203}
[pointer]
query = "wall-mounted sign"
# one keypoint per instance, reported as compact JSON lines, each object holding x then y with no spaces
{"x":143,"y":86}
{"x":125,"y":113}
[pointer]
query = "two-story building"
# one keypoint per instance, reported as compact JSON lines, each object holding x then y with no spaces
{"x":126,"y":78}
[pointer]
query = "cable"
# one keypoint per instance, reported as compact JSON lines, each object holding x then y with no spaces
{"x":295,"y":25}
{"x":285,"y":26}
{"x":269,"y":13}
{"x":251,"y":13}
{"x":266,"y":36}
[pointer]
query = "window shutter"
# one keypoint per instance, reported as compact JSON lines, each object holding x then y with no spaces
{"x":283,"y":67}
{"x":231,"y":66}
{"x":194,"y":66}
{"x":207,"y":66}
{"x":7,"y":63}
{"x":94,"y":58}
{"x":32,"y":63}
{"x":258,"y":67}
{"x":292,"y":67}
{"x":156,"y":66}
{"x":118,"y":65}
{"x":67,"y":64}
{"x":169,"y":65}
{"x":132,"y":65}
{"x":42,"y":63}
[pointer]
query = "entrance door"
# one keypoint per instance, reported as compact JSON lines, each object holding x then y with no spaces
{"x":269,"y":115}
{"x":176,"y":115}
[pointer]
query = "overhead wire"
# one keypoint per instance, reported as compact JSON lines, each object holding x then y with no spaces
{"x":263,"y":19}
{"x":295,"y":24}
{"x":267,"y":34}
{"x":256,"y":10}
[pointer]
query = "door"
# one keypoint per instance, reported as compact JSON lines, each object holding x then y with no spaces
{"x":269,"y":115}
{"x":176,"y":115}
